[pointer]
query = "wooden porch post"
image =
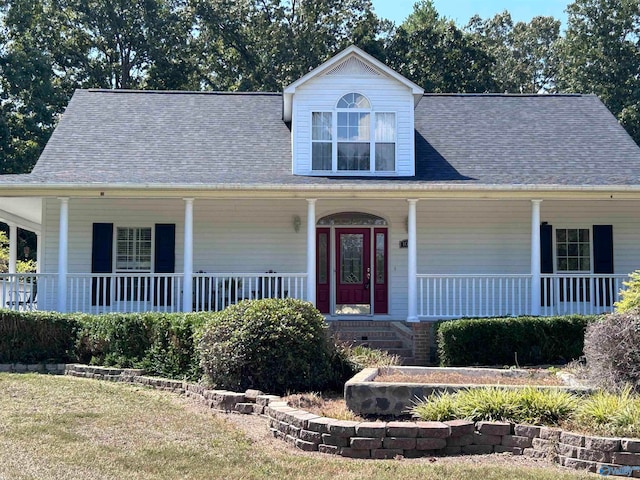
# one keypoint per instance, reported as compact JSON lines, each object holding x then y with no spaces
{"x":535,"y":257}
{"x":187,"y":286}
{"x":63,"y":249}
{"x":311,"y":250}
{"x":412,"y":261}
{"x":13,"y":247}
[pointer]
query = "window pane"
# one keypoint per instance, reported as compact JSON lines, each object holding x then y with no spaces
{"x":385,"y":157}
{"x":573,"y":251}
{"x":133,"y":249}
{"x":323,"y":258}
{"x":572,"y":235}
{"x":584,"y":235}
{"x":353,"y":156}
{"x":354,"y":100}
{"x":385,"y":127}
{"x":321,"y":126}
{"x":561,"y":235}
{"x":351,"y":251}
{"x":321,"y":156}
{"x":354,"y":126}
{"x":585,"y":264}
{"x":380,"y":258}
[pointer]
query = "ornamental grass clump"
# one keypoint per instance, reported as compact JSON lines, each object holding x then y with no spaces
{"x":519,"y":405}
{"x":607,"y":413}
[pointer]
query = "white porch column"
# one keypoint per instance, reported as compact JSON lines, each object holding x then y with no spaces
{"x":187,"y":286}
{"x":13,"y":247}
{"x":39,"y":255}
{"x":311,"y":250}
{"x":535,"y":257}
{"x":63,"y":249}
{"x":412,"y":262}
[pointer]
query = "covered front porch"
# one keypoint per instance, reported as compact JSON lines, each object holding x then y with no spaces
{"x":408,"y":259}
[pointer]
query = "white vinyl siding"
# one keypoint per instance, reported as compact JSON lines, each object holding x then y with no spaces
{"x":385,"y":95}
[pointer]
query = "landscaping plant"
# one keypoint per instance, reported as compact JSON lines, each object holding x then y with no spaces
{"x":630,"y":296}
{"x":612,"y":350}
{"x":275,"y":345}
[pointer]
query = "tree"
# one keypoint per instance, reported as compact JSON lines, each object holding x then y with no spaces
{"x":524,"y":54}
{"x":600,"y":55}
{"x":437,"y":55}
{"x":263,"y":45}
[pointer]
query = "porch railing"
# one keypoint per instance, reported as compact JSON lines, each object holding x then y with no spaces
{"x":23,"y":291}
{"x":215,"y":291}
{"x":456,"y":296}
{"x":563,"y":294}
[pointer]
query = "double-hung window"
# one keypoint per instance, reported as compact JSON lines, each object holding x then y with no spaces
{"x":353,"y":138}
{"x":573,"y":250}
{"x":133,"y":256}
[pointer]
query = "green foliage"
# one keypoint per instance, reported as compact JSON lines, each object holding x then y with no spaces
{"x":610,"y":414}
{"x":34,"y":337}
{"x":520,"y":405}
{"x":630,"y":296}
{"x":161,"y":343}
{"x":612,"y":350}
{"x":507,"y":341}
{"x":273,"y":345}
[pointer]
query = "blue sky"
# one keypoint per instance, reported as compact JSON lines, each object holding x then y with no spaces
{"x":462,"y":10}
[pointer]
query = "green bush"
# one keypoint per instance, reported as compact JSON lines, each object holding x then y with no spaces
{"x":512,"y":340}
{"x":161,"y":343}
{"x":630,"y":296}
{"x":275,"y":345}
{"x":36,"y":337}
{"x":612,"y":350}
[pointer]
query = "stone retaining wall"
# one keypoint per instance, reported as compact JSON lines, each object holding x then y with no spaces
{"x":53,"y":368}
{"x":310,"y":432}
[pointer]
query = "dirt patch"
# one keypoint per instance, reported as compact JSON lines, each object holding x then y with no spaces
{"x":461,"y":379}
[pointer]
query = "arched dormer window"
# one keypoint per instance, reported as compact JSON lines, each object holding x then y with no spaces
{"x":348,"y":138}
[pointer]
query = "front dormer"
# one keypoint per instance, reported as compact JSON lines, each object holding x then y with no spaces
{"x":352,"y":116}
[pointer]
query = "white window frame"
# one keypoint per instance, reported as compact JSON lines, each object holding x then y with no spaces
{"x":115,"y":249}
{"x":555,"y":251}
{"x":372,"y":140}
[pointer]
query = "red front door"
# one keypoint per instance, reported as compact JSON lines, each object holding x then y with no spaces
{"x":353,"y":270}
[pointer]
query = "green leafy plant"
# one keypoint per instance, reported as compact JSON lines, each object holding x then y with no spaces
{"x":365,"y":357}
{"x":275,"y":345}
{"x":630,"y":296}
{"x":503,"y":341}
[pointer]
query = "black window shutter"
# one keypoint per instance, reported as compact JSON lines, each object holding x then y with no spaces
{"x":546,"y":248}
{"x":101,"y":262}
{"x":164,"y":261}
{"x":603,"y":262}
{"x":546,"y":263}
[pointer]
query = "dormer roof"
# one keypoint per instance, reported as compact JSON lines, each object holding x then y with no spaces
{"x":352,"y":61}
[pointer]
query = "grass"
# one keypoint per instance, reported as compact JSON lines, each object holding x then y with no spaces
{"x":69,"y":428}
{"x":600,"y":414}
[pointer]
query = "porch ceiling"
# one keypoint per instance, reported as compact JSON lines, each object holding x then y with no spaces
{"x":25,"y":212}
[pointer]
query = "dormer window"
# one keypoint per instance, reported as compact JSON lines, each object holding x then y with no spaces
{"x":347,"y":139}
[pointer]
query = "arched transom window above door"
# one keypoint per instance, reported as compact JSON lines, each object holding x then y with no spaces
{"x":353,"y":138}
{"x":352,"y":218}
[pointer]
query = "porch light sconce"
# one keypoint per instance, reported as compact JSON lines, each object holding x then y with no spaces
{"x":296,"y":223}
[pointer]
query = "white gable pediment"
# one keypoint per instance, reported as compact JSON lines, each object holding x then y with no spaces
{"x":352,"y":62}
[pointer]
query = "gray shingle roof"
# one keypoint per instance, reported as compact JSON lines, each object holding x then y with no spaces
{"x":232,"y":139}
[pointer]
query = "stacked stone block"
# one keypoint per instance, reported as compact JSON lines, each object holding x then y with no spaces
{"x":380,"y":440}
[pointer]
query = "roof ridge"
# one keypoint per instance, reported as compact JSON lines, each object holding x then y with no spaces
{"x":516,"y":95}
{"x":174,"y":92}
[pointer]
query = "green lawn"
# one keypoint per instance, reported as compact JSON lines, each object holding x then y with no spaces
{"x":68,"y":428}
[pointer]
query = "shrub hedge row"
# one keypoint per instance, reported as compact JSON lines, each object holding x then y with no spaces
{"x":510,"y":341}
{"x":161,"y":343}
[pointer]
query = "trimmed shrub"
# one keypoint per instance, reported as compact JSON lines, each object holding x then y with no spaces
{"x":512,"y":340}
{"x":37,"y":337}
{"x":161,"y":343}
{"x":612,"y":350}
{"x":630,"y":296}
{"x":275,"y":345}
